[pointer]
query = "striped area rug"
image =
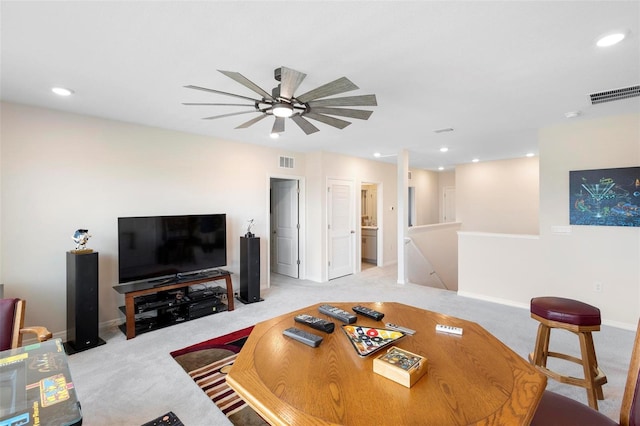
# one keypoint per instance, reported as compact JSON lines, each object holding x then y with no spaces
{"x":208,"y":363}
{"x":212,"y":380}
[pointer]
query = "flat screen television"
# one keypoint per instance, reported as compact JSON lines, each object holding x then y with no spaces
{"x":156,"y":247}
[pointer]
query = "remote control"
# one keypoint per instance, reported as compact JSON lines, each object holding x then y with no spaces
{"x":338,"y":314}
{"x":302,"y":336}
{"x":396,"y":327}
{"x":314,"y":322}
{"x":449,"y":329}
{"x":370,"y":313}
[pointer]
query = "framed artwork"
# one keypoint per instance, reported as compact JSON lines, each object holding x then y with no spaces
{"x":605,"y":197}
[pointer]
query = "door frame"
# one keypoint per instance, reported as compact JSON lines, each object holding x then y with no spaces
{"x":302,"y":274}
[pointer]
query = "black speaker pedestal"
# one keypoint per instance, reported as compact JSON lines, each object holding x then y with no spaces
{"x":249,"y":270}
{"x":82,"y":302}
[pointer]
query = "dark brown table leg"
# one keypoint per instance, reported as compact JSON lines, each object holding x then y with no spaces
{"x":130,"y":315}
{"x":230,"y":307}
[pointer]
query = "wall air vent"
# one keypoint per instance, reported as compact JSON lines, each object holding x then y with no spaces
{"x":614,"y":95}
{"x":286,"y":162}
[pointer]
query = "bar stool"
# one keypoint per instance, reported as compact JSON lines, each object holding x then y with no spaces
{"x":578,"y":318}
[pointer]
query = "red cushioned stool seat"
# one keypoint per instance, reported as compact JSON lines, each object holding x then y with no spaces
{"x":567,"y":311}
{"x":579,"y":318}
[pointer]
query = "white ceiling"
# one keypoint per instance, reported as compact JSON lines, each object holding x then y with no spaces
{"x":495,"y":72}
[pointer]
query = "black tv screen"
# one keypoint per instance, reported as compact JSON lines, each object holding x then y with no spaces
{"x":160,"y":246}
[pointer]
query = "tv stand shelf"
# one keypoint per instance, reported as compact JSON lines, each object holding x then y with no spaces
{"x":137,"y":323}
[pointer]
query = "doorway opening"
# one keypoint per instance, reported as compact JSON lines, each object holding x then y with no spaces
{"x":370,"y":229}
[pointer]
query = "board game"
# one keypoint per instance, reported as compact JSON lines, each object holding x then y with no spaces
{"x":36,"y":387}
{"x":367,"y":340}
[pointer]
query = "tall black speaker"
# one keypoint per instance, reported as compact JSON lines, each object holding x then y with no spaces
{"x":82,"y":302}
{"x":249,"y":270}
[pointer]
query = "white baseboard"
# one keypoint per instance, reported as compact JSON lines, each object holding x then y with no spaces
{"x":507,"y":302}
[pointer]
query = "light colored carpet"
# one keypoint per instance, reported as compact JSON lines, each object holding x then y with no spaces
{"x":132,"y":382}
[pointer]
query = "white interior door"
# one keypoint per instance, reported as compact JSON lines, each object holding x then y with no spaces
{"x":285,"y":227}
{"x":341,"y":228}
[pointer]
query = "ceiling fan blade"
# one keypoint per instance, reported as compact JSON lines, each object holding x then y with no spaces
{"x":340,"y":85}
{"x":251,"y":122}
{"x":247,"y":83}
{"x":278,"y":125}
{"x":289,"y":81}
{"x":344,"y":112}
{"x":199,"y":103}
{"x":305,"y":125}
{"x":363,"y":100}
{"x":230,"y":114}
{"x":221,"y":93}
{"x":331,"y":121}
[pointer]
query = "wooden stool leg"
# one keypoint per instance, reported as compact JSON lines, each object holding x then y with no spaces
{"x":590,"y":367}
{"x":540,"y":351}
{"x":598,"y":376}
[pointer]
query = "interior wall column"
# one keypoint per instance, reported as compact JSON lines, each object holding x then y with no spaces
{"x":403,"y":218}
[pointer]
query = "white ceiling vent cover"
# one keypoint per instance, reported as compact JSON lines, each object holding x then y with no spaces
{"x":614,"y":95}
{"x":286,"y":162}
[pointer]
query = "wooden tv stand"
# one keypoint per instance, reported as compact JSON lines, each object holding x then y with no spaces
{"x":131,"y":291}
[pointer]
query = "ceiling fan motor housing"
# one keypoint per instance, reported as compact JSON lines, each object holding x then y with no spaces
{"x":275,"y":92}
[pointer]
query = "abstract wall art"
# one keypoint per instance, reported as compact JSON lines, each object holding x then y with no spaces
{"x":605,"y":197}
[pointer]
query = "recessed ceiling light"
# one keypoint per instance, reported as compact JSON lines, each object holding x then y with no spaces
{"x":444,"y":149}
{"x":475,"y":160}
{"x":530,"y":154}
{"x":274,"y":135}
{"x":572,"y":114}
{"x":440,"y":168}
{"x":377,"y":154}
{"x":610,"y":39}
{"x":61,"y":91}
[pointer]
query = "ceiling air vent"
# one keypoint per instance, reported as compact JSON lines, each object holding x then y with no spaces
{"x":614,"y":95}
{"x":286,"y":162}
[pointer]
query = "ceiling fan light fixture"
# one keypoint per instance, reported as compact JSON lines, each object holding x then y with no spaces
{"x":282,"y":109}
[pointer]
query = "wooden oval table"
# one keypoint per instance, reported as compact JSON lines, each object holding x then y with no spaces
{"x":470,"y":379}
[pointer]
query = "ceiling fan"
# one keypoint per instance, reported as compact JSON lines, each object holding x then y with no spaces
{"x":282,"y":103}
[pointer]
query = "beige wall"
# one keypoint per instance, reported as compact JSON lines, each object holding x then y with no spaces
{"x":61,"y":172}
{"x":498,"y":196}
{"x":606,"y":254}
{"x":426,"y":194}
{"x":323,"y":166}
{"x":513,"y":268}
